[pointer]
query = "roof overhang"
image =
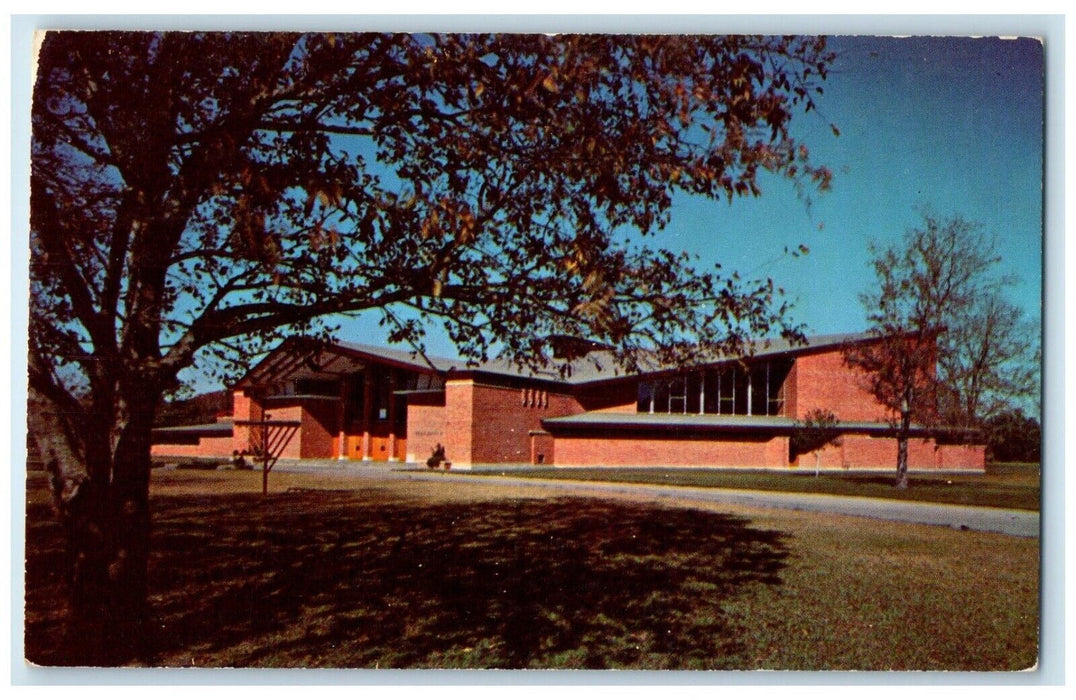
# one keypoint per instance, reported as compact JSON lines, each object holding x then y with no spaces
{"x":305,"y":358}
{"x":598,"y":421}
{"x":205,"y":430}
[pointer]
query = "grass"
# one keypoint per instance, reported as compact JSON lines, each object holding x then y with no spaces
{"x":327,"y":572}
{"x":1002,"y":486}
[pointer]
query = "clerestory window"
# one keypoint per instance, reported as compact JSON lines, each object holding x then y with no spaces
{"x":757,"y":389}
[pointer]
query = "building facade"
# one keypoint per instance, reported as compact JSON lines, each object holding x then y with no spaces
{"x":361,"y":402}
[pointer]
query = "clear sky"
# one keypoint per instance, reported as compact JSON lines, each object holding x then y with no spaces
{"x":949,"y":125}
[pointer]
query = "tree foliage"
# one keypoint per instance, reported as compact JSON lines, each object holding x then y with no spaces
{"x":1012,"y":436}
{"x":481,"y":180}
{"x":948,"y":347}
{"x":199,"y":409}
{"x":818,"y":428}
{"x":196,"y":195}
{"x":988,"y":360}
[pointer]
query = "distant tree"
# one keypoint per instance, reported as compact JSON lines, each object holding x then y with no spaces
{"x":1012,"y":436}
{"x":203,"y":408}
{"x":923,"y":312}
{"x":194,"y":196}
{"x":988,"y":360}
{"x":818,"y":429}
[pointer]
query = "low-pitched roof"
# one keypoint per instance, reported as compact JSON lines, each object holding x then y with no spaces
{"x":599,"y":365}
{"x":596,"y":366}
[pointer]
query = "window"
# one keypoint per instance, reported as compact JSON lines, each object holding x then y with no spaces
{"x":756,"y":390}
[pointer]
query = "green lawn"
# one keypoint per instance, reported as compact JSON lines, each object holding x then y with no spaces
{"x":327,"y":573}
{"x":1003,"y":485}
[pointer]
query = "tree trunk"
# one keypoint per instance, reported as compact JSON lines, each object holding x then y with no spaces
{"x":107,"y":530}
{"x":103,"y":505}
{"x":902,"y":450}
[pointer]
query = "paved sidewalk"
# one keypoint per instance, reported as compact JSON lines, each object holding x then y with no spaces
{"x":1019,"y":523}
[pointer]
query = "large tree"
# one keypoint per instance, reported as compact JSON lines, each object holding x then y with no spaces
{"x":196,"y":195}
{"x":948,"y":349}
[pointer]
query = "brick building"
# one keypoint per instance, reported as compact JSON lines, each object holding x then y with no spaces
{"x":350,"y":401}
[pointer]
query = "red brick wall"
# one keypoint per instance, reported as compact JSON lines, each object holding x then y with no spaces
{"x":321,"y":421}
{"x":863,"y":452}
{"x":295,"y":412}
{"x":857,"y":452}
{"x":313,"y":440}
{"x":962,"y":457}
{"x":243,"y":408}
{"x":922,"y":454}
{"x":487,"y":424}
{"x":823,"y":381}
{"x":425,"y":426}
{"x":542,"y":446}
{"x":627,"y":451}
{"x":206,"y":447}
{"x":458,"y":421}
{"x":504,"y":417}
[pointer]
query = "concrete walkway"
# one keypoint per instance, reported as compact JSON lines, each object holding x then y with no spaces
{"x":1019,"y":523}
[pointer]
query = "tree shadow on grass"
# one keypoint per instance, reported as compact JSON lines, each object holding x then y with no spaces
{"x":323,"y":579}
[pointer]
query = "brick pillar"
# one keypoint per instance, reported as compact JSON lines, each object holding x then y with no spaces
{"x":367,"y":412}
{"x":459,"y":422}
{"x":244,"y":408}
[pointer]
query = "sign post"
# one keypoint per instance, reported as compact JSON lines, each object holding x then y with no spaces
{"x":268,"y":439}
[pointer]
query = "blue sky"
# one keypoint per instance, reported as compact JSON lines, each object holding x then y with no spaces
{"x":949,"y":125}
{"x":952,"y":125}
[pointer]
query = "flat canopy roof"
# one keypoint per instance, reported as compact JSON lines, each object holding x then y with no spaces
{"x":222,"y":429}
{"x":779,"y":425}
